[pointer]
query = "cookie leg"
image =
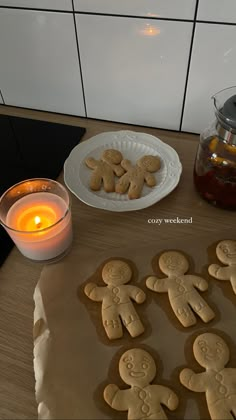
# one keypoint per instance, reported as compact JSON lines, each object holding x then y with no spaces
{"x":131,"y":320}
{"x":113,"y":328}
{"x":112,"y":323}
{"x":184,"y":313}
{"x":109,"y":183}
{"x":135,"y":190}
{"x":201,"y":308}
{"x":122,"y":185}
{"x":219,"y":411}
{"x":95,"y":182}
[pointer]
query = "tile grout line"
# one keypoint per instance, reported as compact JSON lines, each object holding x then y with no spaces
{"x":194,"y":19}
{"x":73,"y":11}
{"x":132,"y":16}
{"x":78,"y":52}
{"x":31,"y":9}
{"x":188,"y":66}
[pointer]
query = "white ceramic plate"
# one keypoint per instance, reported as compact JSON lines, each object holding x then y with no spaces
{"x":133,"y":146}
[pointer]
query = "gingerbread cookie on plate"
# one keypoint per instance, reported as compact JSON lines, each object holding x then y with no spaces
{"x":105,"y":169}
{"x":133,"y":180}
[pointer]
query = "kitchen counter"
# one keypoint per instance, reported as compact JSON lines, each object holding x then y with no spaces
{"x":98,"y":230}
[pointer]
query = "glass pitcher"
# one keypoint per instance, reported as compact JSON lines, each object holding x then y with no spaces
{"x":215,"y":164}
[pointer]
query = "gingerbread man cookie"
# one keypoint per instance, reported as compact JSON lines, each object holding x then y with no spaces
{"x":218,"y":382}
{"x":142,"y":400}
{"x":116,"y":300}
{"x":183,"y":297}
{"x":105,"y":169}
{"x":226,"y":253}
{"x":133,"y":180}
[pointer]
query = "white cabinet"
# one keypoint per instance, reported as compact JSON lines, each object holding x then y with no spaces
{"x":39,"y":61}
{"x":180,"y":9}
{"x":212,"y":69}
{"x":39,"y":4}
{"x":217,"y":10}
{"x":134,"y":70}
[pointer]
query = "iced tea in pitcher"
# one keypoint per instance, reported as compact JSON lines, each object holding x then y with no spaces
{"x":215,"y":164}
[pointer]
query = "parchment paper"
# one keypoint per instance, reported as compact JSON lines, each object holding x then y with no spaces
{"x":74,"y":360}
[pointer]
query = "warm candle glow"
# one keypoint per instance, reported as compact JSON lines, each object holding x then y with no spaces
{"x":150,"y":30}
{"x":37,"y":222}
{"x":36,"y":217}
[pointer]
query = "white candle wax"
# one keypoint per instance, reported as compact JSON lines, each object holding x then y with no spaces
{"x":40,"y":225}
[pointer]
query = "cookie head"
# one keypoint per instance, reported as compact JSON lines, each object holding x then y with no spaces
{"x":173,"y":263}
{"x":149,"y":163}
{"x":137,"y":368}
{"x":116,"y":272}
{"x":226,"y":252}
{"x":112,"y":156}
{"x":211,"y":351}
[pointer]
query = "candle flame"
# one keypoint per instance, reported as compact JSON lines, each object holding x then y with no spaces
{"x":37,"y":222}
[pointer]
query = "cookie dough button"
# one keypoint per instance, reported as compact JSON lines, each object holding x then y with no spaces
{"x":222,"y":390}
{"x":181,"y":289}
{"x":116,"y":300}
{"x":142,"y":395}
{"x":145,"y":408}
{"x":219,"y":377}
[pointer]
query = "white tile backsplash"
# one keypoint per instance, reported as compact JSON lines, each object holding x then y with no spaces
{"x":180,"y":9}
{"x":39,"y":4}
{"x":212,"y":68}
{"x":39,"y":61}
{"x":134,"y":56}
{"x":134,"y":70}
{"x":217,"y":10}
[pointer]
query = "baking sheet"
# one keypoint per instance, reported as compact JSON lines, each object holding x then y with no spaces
{"x":73,"y":358}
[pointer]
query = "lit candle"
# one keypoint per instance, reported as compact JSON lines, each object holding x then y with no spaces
{"x":38,"y":218}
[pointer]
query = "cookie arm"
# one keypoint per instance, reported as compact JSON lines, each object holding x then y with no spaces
{"x":194,"y":381}
{"x":150,"y":179}
{"x":118,"y":170}
{"x":220,"y":273}
{"x":167,"y":397}
{"x":198,"y":282}
{"x":94,"y":292}
{"x":91,"y":163}
{"x":136,"y":294}
{"x":157,"y":285}
{"x":126,"y":164}
{"x":116,"y":398}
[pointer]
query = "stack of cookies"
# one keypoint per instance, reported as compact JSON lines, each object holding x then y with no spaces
{"x":116,"y":174}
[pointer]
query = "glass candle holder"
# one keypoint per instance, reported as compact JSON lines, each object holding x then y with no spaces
{"x":36,"y":214}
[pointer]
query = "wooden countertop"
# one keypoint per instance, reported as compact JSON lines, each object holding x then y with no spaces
{"x":99,"y":230}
